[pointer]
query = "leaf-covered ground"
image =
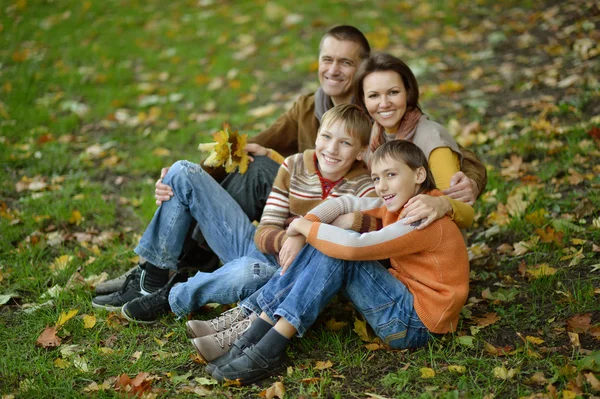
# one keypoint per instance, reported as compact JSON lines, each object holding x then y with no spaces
{"x":96,"y":97}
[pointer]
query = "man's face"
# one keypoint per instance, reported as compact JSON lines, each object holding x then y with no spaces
{"x":338,"y":61}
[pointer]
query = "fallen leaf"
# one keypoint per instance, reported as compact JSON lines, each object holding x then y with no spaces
{"x":534,"y":340}
{"x":64,"y":317}
{"x":61,"y":363}
{"x":333,"y":325}
{"x":360,"y":327}
{"x":486,"y":320}
{"x":75,"y":218}
{"x":89,"y":321}
{"x":503,"y":373}
{"x":579,"y":323}
{"x":427,"y":372}
{"x":457,"y":369}
{"x":277,"y":390}
{"x":232,"y":383}
{"x":593,"y":381}
{"x":309,"y":381}
{"x":48,"y":338}
{"x":568,"y":394}
{"x":323,"y":365}
{"x":574,"y":338}
{"x":61,"y":263}
{"x":536,"y":378}
{"x":373,"y":346}
{"x":466,"y":340}
{"x":541,"y":270}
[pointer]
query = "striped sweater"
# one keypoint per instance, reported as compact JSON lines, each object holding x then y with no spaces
{"x":432,"y":263}
{"x":297,"y":189}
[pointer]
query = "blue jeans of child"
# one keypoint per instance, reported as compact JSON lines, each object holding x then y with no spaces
{"x":314,"y":278}
{"x":226,"y":229}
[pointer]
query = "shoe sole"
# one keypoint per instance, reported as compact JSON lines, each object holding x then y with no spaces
{"x":217,"y":375}
{"x":109,"y":308}
{"x":135,"y":320}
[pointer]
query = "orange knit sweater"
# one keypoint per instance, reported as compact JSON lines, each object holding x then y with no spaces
{"x":432,"y":263}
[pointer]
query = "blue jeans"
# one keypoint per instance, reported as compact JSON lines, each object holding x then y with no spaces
{"x":226,"y":229}
{"x":314,"y":278}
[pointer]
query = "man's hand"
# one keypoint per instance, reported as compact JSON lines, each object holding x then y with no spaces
{"x":162,"y":192}
{"x":299,"y":226}
{"x":256,"y":150}
{"x":344,"y":221}
{"x":462,"y":189}
{"x":425,"y":207}
{"x":290,"y":249}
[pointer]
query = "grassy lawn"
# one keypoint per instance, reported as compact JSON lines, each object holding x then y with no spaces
{"x":97,"y":96}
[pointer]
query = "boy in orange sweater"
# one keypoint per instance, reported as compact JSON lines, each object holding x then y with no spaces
{"x":420,"y":295}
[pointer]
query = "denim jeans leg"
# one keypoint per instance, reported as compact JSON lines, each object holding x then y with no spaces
{"x":233,"y":282}
{"x":224,"y":225}
{"x":304,"y":290}
{"x":386,"y":303}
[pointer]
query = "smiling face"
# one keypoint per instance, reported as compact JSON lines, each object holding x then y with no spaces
{"x":336,"y":150}
{"x":338,"y":60}
{"x":395,"y":182}
{"x":385,"y":98}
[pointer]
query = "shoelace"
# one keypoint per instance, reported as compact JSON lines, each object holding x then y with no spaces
{"x":123,"y":288}
{"x":233,"y":333}
{"x":227,"y":318}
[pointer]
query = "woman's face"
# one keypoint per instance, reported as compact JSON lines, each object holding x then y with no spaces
{"x":385,"y":98}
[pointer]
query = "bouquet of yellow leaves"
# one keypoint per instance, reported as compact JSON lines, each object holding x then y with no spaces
{"x":227,"y":150}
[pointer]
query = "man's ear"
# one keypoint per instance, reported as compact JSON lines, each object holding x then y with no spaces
{"x":420,"y":175}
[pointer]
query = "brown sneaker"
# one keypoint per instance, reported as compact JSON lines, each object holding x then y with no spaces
{"x":202,"y":328}
{"x":216,"y":345}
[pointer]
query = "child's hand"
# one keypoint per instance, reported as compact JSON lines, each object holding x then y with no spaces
{"x":256,"y":150}
{"x":426,"y":208}
{"x":290,"y":249}
{"x":344,"y":221}
{"x":162,"y":192}
{"x":299,"y":226}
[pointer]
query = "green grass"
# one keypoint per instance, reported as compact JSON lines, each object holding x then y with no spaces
{"x":97,"y":97}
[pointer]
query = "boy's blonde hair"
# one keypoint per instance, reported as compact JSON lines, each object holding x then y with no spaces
{"x":356,"y":121}
{"x":410,"y":154}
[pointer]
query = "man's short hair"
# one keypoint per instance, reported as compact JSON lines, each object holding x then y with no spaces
{"x":350,"y":34}
{"x":356,"y":121}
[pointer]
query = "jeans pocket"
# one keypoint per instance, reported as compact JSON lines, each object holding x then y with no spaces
{"x":397,"y":334}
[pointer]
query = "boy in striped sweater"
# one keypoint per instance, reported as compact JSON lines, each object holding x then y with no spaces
{"x":420,"y":295}
{"x":251,"y":255}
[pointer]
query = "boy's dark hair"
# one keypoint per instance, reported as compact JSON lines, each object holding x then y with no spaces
{"x":410,"y":154}
{"x":350,"y":34}
{"x":385,"y":62}
{"x":356,"y":121}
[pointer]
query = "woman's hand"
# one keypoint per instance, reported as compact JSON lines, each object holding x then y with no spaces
{"x":162,"y":192}
{"x":290,"y":249}
{"x":344,"y":221}
{"x":426,"y":208}
{"x":462,"y":189}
